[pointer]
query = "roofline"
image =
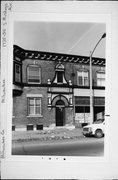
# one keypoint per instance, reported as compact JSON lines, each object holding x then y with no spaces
{"x":51,"y":56}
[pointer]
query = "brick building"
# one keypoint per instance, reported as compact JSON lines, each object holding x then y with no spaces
{"x":53,"y":89}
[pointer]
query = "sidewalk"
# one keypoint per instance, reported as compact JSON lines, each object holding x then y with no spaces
{"x":46,"y":135}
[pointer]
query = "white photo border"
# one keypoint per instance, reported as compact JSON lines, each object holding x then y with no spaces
{"x":6,"y":83}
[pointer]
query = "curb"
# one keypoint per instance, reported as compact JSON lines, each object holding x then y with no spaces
{"x":42,"y":129}
{"x":45,"y":139}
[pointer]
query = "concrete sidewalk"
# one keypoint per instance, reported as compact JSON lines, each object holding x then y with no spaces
{"x":46,"y":135}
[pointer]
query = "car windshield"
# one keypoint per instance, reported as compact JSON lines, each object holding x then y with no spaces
{"x":99,"y":121}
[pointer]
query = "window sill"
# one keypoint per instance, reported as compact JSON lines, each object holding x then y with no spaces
{"x":82,"y":85}
{"x":35,"y":116}
{"x":33,"y":83}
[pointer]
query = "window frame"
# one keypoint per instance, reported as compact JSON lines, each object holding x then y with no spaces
{"x":20,"y":74}
{"x":39,"y":70}
{"x":34,"y":106}
{"x":101,"y":80}
{"x":59,"y":69}
{"x":62,"y":74}
{"x":83,"y":77}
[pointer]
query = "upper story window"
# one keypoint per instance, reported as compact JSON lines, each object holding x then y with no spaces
{"x":17,"y":72}
{"x":82,"y":78}
{"x":34,"y":74}
{"x":59,"y":77}
{"x":60,"y":74}
{"x":101,"y":79}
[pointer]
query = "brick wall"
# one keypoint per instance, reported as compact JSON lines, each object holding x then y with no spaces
{"x":21,"y":117}
{"x":69,"y":116}
{"x":48,"y":70}
{"x":21,"y":112}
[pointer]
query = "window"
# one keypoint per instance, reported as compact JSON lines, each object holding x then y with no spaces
{"x":59,"y":77}
{"x":17,"y":73}
{"x":82,"y":78}
{"x":100,"y":79}
{"x":34,"y":74}
{"x":82,"y":114}
{"x":82,"y":109}
{"x":34,"y":106}
{"x":59,"y":74}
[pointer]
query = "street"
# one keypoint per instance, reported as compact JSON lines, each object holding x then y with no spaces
{"x":78,"y":147}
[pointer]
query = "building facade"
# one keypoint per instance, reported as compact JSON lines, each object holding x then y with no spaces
{"x":53,"y":89}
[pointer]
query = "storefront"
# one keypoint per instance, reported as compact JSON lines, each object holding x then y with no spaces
{"x":82,"y":109}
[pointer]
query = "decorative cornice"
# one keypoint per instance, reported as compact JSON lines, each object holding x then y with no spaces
{"x":50,"y":56}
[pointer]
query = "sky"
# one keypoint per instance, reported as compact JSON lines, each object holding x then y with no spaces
{"x":61,"y":37}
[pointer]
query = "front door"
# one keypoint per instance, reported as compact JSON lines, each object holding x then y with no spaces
{"x":60,"y":113}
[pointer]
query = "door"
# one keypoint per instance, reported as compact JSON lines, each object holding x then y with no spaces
{"x":60,"y":113}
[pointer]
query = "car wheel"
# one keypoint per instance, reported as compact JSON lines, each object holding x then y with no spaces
{"x":98,"y":133}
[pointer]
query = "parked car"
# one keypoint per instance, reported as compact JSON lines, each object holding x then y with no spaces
{"x":96,"y":129}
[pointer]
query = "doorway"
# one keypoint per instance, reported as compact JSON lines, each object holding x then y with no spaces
{"x":60,"y":113}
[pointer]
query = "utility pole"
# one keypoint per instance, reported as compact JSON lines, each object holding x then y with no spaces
{"x":91,"y":81}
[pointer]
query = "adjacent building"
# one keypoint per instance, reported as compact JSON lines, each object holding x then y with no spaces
{"x":53,"y":89}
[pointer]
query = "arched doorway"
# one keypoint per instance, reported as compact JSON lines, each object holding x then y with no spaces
{"x":60,"y":113}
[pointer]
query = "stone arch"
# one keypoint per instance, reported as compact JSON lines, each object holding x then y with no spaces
{"x":60,"y":97}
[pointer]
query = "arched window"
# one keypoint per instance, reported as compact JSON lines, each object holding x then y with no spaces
{"x":60,"y":102}
{"x":34,"y":74}
{"x":82,"y":77}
